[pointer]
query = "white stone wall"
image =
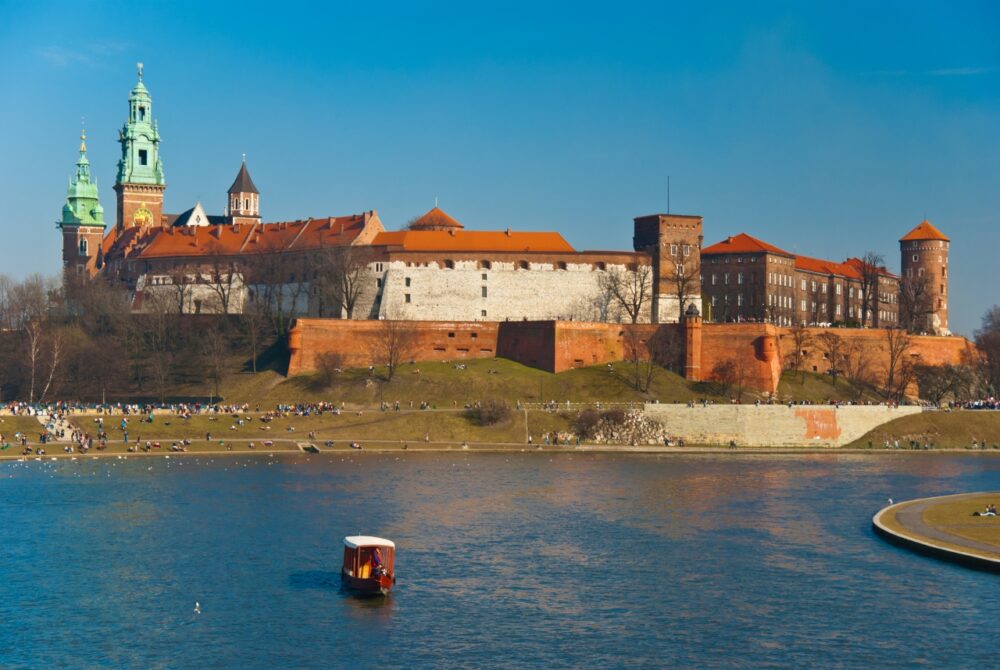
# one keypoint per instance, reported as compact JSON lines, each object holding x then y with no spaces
{"x":774,"y":425}
{"x":668,"y":308}
{"x":543,"y":291}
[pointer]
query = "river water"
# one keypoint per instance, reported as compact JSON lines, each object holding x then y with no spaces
{"x":509,"y":560}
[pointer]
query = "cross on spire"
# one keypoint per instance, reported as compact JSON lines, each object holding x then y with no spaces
{"x":140,"y":70}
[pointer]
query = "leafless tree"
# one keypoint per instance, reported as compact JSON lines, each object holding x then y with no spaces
{"x":221,"y":272}
{"x":339,"y":278}
{"x":801,"y":338}
{"x":255,"y":326}
{"x":858,"y":366}
{"x":181,"y":286}
{"x":394,"y":343}
{"x":897,"y":344}
{"x":55,"y":359}
{"x":684,"y":276}
{"x":215,"y":347}
{"x":34,"y":330}
{"x":871,"y":268}
{"x":988,"y":343}
{"x":279,"y":278}
{"x":915,"y":303}
{"x":832,"y":346}
{"x":732,"y":374}
{"x":639,"y":354}
{"x":630,"y":290}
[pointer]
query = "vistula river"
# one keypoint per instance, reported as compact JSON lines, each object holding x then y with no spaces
{"x":504,"y":560}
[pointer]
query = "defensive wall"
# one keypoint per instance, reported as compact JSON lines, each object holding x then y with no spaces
{"x":695,"y":349}
{"x":773,"y":425}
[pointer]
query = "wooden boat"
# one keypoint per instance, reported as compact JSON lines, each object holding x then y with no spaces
{"x":369,"y":565}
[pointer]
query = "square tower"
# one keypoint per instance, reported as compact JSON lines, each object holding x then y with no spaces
{"x":674,"y":243}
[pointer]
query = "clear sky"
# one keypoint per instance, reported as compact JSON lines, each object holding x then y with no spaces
{"x":824,"y":128}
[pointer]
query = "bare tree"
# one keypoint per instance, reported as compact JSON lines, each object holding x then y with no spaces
{"x":344,"y":276}
{"x":871,"y":268}
{"x":34,"y":330}
{"x":858,"y":366}
{"x":915,"y":303}
{"x":222,"y":275}
{"x":732,"y":374}
{"x":394,"y":343}
{"x":255,"y":325}
{"x":640,"y":354}
{"x":897,"y":344}
{"x":801,"y":338}
{"x":832,"y":346}
{"x":215,"y":347}
{"x":56,"y":351}
{"x":684,"y":276}
{"x":630,"y":290}
{"x":988,"y":343}
{"x":181,"y":286}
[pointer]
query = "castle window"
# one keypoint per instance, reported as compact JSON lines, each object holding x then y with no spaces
{"x":673,"y":249}
{"x":601,"y":266}
{"x":714,"y":278}
{"x":739,"y":300}
{"x":378,"y":283}
{"x":451,"y":334}
{"x":143,"y":157}
{"x":80,"y":268}
{"x":484,"y":291}
{"x":482,"y":313}
{"x":83,"y":247}
{"x":407,"y":296}
{"x":915,"y":258}
{"x":485,"y":265}
{"x":142,"y":113}
{"x":449,"y":264}
{"x":561,"y":265}
{"x":407,"y":281}
{"x":739,"y":277}
{"x":687,"y":249}
{"x":523,"y":265}
{"x":484,"y":276}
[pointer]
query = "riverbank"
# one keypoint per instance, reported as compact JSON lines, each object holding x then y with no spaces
{"x":946,"y":527}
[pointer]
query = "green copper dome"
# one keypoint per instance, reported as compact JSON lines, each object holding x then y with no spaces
{"x":140,"y":139}
{"x":82,"y":206}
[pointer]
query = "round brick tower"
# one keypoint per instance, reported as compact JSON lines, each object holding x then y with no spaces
{"x":924,"y":280}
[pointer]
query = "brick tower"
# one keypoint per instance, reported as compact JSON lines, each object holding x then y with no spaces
{"x":924,"y":252}
{"x":244,"y":198}
{"x":82,"y":222}
{"x":674,"y":243}
{"x":140,"y":182}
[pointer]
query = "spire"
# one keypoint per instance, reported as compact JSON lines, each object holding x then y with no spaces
{"x":243,"y":183}
{"x":140,"y":139}
{"x":82,"y":207}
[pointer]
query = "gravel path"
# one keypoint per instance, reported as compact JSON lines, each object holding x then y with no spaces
{"x":911,"y":517}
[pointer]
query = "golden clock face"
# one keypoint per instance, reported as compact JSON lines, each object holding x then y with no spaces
{"x":142,"y":216}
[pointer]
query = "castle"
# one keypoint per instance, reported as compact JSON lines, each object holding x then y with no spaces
{"x":351,"y":267}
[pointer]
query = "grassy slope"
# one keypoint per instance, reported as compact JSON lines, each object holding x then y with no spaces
{"x":944,"y":429}
{"x":818,"y":389}
{"x":445,"y":386}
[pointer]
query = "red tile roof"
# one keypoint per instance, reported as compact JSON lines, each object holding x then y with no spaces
{"x":473,"y":240}
{"x":925,"y":231}
{"x":435,"y":219}
{"x":820,"y":266}
{"x":743,"y":244}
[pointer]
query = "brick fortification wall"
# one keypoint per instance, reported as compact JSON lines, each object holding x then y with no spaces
{"x":773,"y":425}
{"x":759,"y":350}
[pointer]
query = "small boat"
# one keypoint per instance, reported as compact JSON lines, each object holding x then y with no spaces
{"x":369,"y":565}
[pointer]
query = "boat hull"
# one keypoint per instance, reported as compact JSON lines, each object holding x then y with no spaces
{"x":379,"y":585}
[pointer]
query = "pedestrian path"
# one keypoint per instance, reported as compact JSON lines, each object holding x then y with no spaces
{"x":56,"y":425}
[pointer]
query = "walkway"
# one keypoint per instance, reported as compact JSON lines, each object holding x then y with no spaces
{"x":911,"y":529}
{"x":56,"y":425}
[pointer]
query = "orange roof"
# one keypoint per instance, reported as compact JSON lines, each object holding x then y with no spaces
{"x":925,"y":231}
{"x":231,"y":240}
{"x":435,"y":219}
{"x":743,"y":244}
{"x":857,"y":264}
{"x":473,"y":240}
{"x":825,"y":267}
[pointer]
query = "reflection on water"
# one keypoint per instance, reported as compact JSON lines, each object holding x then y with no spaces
{"x":583,"y":560}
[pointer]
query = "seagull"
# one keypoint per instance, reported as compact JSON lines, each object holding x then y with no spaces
{"x":890,"y":501}
{"x":197,"y":607}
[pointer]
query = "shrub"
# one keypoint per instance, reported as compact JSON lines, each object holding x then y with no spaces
{"x":489,"y":413}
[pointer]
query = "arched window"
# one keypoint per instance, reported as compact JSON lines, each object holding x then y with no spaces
{"x":246,"y":203}
{"x":449,"y":264}
{"x":561,"y":265}
{"x":485,"y":265}
{"x":600,"y":266}
{"x":523,"y":265}
{"x":83,"y":247}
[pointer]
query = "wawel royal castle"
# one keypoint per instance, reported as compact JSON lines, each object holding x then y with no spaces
{"x":436,"y":269}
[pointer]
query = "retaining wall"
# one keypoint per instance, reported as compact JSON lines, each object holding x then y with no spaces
{"x":773,"y":425}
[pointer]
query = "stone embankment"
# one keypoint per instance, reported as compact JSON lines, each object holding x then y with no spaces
{"x":773,"y":425}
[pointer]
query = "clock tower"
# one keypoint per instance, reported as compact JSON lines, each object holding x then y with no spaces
{"x":140,"y":182}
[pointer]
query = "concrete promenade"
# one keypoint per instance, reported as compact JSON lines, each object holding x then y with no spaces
{"x":906,"y":524}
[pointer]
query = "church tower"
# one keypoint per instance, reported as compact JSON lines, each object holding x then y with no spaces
{"x":140,"y":182}
{"x":924,"y":252}
{"x":244,"y":198}
{"x":82,"y":222}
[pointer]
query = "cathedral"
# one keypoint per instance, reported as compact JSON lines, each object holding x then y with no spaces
{"x":436,"y":269}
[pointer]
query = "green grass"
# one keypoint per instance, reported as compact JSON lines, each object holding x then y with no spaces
{"x":403,"y":426}
{"x":956,"y":429}
{"x":9,"y":425}
{"x":816,"y":388}
{"x":444,"y":386}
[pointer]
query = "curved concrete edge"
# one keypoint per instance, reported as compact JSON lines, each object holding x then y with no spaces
{"x":928,"y":547}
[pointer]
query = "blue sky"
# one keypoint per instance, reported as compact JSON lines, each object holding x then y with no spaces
{"x":824,"y":128}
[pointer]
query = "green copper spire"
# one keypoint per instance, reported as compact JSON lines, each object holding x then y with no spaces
{"x":140,"y":140}
{"x":82,"y":207}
